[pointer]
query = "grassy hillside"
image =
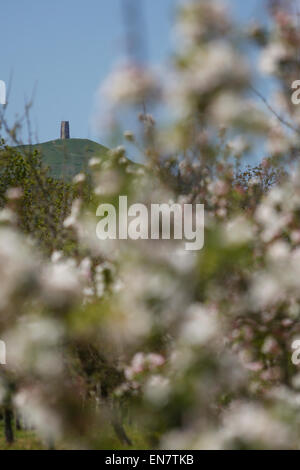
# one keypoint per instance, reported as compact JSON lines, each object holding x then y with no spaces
{"x":68,"y":157}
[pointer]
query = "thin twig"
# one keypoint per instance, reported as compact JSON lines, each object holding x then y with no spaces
{"x":274,"y":112}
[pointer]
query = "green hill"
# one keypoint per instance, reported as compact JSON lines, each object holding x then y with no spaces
{"x":68,"y":157}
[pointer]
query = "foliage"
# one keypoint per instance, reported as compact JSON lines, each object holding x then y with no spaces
{"x":40,"y":202}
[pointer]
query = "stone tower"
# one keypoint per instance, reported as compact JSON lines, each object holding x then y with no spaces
{"x":64,"y":130}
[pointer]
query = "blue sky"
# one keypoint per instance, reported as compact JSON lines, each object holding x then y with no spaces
{"x":67,"y":47}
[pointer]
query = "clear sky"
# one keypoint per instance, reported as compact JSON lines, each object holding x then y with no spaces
{"x":67,"y":47}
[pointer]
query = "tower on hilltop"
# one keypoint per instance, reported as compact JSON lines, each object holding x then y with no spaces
{"x":65,"y":130}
